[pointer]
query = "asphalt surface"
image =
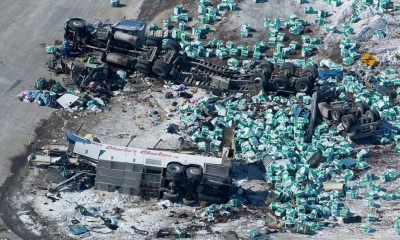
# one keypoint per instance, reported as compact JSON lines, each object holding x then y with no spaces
{"x":26,"y":27}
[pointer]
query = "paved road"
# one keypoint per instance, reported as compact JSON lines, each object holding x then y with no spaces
{"x":25,"y":26}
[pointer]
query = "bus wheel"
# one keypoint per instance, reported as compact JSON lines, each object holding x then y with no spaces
{"x":189,"y":202}
{"x":174,"y":198}
{"x":175,"y":171}
{"x":193,"y":173}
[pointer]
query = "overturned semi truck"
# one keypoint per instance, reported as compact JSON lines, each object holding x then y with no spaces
{"x":167,"y":175}
{"x":357,"y":119}
{"x":124,"y":44}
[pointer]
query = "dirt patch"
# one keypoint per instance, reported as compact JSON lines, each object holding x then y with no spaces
{"x":334,"y":55}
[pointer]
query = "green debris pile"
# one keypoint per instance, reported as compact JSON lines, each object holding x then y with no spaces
{"x":270,"y":127}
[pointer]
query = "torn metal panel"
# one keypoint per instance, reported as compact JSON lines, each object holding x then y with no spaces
{"x":41,"y":159}
{"x":77,"y":229}
{"x":315,"y":160}
{"x":349,"y":162}
{"x":55,"y":149}
{"x":55,"y":187}
{"x":265,"y":163}
{"x":67,"y":100}
{"x":53,"y":175}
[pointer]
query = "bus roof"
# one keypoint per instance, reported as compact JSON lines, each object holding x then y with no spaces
{"x":100,"y":151}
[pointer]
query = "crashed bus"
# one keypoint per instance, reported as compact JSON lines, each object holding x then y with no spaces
{"x":150,"y":173}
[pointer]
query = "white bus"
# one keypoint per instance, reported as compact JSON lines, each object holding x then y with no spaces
{"x":161,"y":174}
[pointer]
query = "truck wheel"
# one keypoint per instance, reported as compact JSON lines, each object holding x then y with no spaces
{"x":173,"y":45}
{"x":189,"y":202}
{"x":348,"y":122}
{"x":281,"y":82}
{"x":310,"y":71}
{"x":289,"y":67}
{"x":343,"y":111}
{"x":267,"y":66}
{"x":193,"y":173}
{"x":377,"y":115}
{"x":161,"y":68}
{"x":174,"y":198}
{"x":337,"y":115}
{"x":175,"y":170}
{"x":366,"y":105}
{"x":303,"y":85}
{"x":77,"y":24}
{"x":362,"y":107}
{"x":153,"y":41}
{"x":372,"y":115}
{"x":143,"y":66}
{"x":258,"y":78}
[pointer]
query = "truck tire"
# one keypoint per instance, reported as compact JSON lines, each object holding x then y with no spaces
{"x":267,"y":66}
{"x":343,"y":111}
{"x":348,"y":122}
{"x":258,"y":78}
{"x":303,"y":85}
{"x":281,"y":82}
{"x":143,"y":66}
{"x":174,"y":198}
{"x":366,"y":105}
{"x":175,"y":170}
{"x":377,"y":115}
{"x":310,"y":71}
{"x":372,"y":115}
{"x":77,"y":24}
{"x":193,"y":173}
{"x":354,"y":118}
{"x":362,"y":107}
{"x":289,"y":67}
{"x":336,"y":115}
{"x":153,"y":41}
{"x":189,"y":202}
{"x":161,"y":68}
{"x":173,"y":45}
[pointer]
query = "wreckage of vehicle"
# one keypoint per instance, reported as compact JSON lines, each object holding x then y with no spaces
{"x":357,"y":119}
{"x":173,"y":176}
{"x":144,"y":172}
{"x":124,"y":44}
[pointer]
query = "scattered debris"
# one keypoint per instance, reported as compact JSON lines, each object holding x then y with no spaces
{"x":300,"y":123}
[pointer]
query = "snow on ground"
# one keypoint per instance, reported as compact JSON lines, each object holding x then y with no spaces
{"x":140,"y":120}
